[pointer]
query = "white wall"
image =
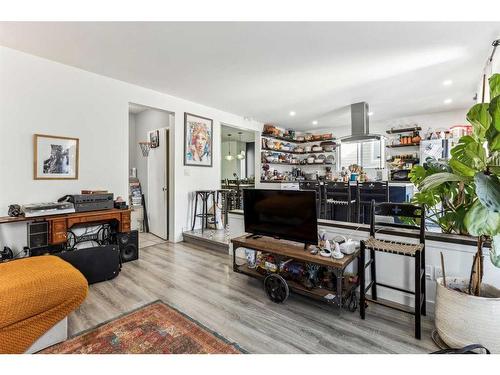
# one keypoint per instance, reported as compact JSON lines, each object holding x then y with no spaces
{"x":132,"y":143}
{"x":42,"y":96}
{"x":232,"y":166}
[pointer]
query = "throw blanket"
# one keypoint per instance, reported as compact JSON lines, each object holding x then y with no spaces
{"x":35,"y":294}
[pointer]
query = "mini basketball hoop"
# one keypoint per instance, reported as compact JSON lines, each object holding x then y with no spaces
{"x":145,"y":147}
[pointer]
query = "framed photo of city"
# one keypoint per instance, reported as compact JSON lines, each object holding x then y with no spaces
{"x":198,"y":138}
{"x":55,"y":158}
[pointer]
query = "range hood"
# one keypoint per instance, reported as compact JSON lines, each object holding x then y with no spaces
{"x":360,"y":124}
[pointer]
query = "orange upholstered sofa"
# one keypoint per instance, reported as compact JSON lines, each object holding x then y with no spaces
{"x":35,"y":294}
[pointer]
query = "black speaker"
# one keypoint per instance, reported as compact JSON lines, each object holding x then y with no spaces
{"x":97,"y":264}
{"x":129,"y":245}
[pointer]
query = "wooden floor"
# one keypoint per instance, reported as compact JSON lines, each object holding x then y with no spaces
{"x":201,"y":284}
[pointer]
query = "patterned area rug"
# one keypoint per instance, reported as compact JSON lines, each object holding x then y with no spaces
{"x":153,"y":329}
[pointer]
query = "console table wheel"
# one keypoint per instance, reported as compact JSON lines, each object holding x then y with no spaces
{"x":276,"y":288}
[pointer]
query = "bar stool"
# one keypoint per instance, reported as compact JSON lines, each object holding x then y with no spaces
{"x":368,"y":191}
{"x":224,"y":196}
{"x":204,"y":195}
{"x":338,"y":194}
{"x":413,"y":250}
{"x":316,"y":186}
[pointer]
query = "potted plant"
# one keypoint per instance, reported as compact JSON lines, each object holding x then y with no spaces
{"x":463,"y":196}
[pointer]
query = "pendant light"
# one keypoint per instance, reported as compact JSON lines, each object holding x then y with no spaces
{"x":241,"y":155}
{"x":229,"y":157}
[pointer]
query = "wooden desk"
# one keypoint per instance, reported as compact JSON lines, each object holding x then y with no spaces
{"x":60,"y":224}
{"x":296,"y":251}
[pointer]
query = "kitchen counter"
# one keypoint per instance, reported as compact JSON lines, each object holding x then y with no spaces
{"x":352,"y":183}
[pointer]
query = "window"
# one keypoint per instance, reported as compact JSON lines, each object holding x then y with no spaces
{"x":368,"y":154}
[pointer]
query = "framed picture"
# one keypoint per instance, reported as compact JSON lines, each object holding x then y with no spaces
{"x":154,"y":138}
{"x":198,"y":134}
{"x":55,"y":158}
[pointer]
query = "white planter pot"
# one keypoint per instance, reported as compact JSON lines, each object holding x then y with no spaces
{"x":462,"y":319}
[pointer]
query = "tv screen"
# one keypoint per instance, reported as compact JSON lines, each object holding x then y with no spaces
{"x":284,"y":214}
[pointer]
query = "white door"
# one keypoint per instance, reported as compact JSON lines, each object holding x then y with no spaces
{"x":157,"y":187}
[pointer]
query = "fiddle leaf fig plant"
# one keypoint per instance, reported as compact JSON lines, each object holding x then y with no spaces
{"x":463,"y":195}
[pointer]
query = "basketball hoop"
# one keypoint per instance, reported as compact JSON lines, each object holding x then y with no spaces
{"x":145,"y":147}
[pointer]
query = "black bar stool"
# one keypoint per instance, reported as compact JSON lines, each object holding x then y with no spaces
{"x":204,"y":195}
{"x":224,"y":196}
{"x":368,"y":191}
{"x":316,"y":186}
{"x":338,"y":194}
{"x":413,"y":250}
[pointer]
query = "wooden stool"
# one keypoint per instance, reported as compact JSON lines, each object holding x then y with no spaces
{"x":416,"y":251}
{"x":204,"y":196}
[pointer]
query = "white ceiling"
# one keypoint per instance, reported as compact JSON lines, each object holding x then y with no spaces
{"x":266,"y":70}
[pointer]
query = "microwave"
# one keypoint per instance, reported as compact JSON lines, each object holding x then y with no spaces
{"x":400,"y":175}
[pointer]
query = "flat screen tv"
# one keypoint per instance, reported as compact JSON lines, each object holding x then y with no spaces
{"x":283,"y":214}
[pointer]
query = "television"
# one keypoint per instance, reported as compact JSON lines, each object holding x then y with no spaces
{"x":282,"y":214}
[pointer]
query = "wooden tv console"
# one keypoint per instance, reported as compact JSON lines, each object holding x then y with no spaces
{"x":294,"y":250}
{"x":60,"y":224}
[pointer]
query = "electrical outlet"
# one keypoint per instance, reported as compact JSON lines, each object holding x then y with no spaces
{"x":438,"y":272}
{"x":429,"y":272}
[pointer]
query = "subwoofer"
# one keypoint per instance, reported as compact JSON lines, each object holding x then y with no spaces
{"x":129,"y":245}
{"x":97,"y":264}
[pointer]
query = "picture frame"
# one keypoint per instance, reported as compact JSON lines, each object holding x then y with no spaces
{"x":154,"y":138}
{"x":55,"y":157}
{"x":198,"y":141}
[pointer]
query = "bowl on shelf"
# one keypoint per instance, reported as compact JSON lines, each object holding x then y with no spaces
{"x":298,"y":149}
{"x":300,"y":138}
{"x":330,"y":159}
{"x":310,"y":159}
{"x":317,"y":148}
{"x":307,"y":148}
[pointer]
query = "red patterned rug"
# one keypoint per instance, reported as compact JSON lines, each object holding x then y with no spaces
{"x":153,"y":329}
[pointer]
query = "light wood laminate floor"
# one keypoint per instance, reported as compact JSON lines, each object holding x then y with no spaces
{"x":201,"y":284}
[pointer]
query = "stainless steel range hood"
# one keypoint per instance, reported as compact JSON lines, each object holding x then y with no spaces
{"x":360,"y":124}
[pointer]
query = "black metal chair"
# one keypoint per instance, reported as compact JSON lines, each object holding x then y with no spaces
{"x":338,"y":194}
{"x":413,"y":250}
{"x":368,"y":191}
{"x":316,"y":186}
{"x":204,"y":195}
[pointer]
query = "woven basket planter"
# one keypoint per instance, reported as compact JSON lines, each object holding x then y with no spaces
{"x":462,"y":319}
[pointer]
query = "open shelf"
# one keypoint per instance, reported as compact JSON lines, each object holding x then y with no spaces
{"x":298,"y":153}
{"x":301,"y":165}
{"x":317,"y":293}
{"x":407,"y":145}
{"x":285,"y":139}
{"x":404,"y":130}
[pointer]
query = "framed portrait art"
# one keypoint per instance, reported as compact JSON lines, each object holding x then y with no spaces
{"x":55,"y":158}
{"x":198,"y":138}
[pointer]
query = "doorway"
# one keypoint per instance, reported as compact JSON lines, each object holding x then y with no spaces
{"x":149,"y":169}
{"x":237,"y":162}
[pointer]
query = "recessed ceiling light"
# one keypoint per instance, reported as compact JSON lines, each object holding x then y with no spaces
{"x":447,"y":82}
{"x":292,"y":113}
{"x":315,"y":122}
{"x":370,"y":113}
{"x":447,"y":101}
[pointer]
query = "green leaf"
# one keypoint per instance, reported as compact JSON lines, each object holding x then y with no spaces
{"x":480,"y":119}
{"x":417,"y":174}
{"x":437,"y":179}
{"x":495,"y":251}
{"x":493,"y":139}
{"x":469,"y":156}
{"x":494,"y":111}
{"x":462,"y":169}
{"x":480,"y":221}
{"x":494,"y":82}
{"x":488,"y":191}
